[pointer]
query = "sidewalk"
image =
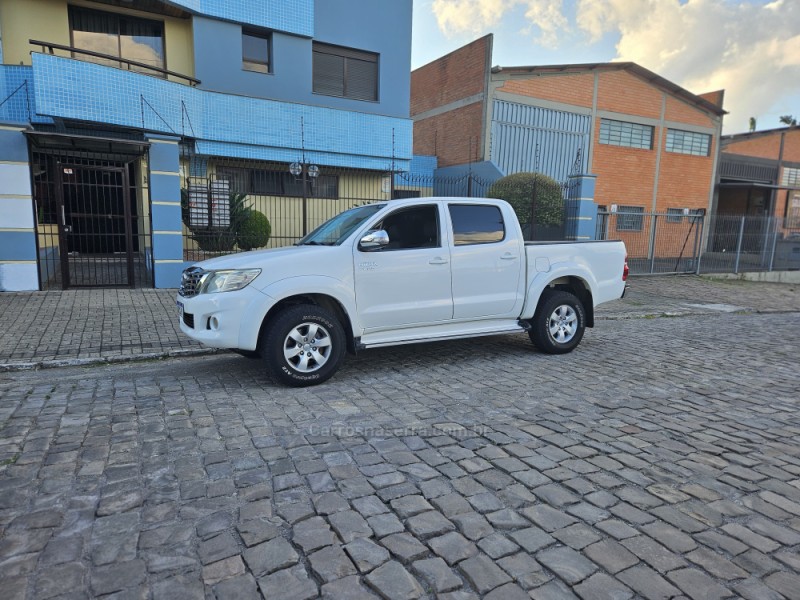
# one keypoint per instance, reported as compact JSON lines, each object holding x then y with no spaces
{"x":75,"y":327}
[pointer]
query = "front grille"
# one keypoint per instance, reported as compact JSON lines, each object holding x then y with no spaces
{"x":190,"y":282}
{"x":188,"y":319}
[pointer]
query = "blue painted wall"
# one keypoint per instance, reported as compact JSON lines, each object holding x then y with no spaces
{"x":381,"y":26}
{"x":293,"y":16}
{"x":89,"y":92}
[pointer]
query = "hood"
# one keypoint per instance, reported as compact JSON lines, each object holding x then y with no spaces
{"x":258,"y":258}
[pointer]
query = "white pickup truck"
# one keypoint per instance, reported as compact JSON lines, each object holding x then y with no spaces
{"x":399,"y":272}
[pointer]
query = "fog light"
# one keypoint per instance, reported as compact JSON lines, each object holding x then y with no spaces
{"x":213,"y":323}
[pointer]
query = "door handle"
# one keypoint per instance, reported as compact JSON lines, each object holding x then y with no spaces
{"x":508,"y":257}
{"x":438,"y":261}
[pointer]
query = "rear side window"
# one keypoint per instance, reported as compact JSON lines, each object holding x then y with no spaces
{"x":476,"y":224}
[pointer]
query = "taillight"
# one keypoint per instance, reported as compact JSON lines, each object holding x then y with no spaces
{"x":625,"y":270}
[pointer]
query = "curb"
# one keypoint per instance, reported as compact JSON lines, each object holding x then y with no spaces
{"x":104,"y":360}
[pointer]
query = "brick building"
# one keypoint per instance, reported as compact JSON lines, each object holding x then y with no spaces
{"x":760,"y":175}
{"x":652,"y":144}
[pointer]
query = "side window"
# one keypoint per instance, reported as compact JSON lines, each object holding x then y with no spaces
{"x":476,"y":224}
{"x":411,"y":228}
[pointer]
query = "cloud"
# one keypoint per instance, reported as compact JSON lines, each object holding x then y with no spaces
{"x":751,"y":48}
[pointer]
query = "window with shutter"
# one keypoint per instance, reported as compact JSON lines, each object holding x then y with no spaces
{"x":345,"y":72}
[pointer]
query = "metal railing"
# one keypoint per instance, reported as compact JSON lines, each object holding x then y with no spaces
{"x":50,"y":47}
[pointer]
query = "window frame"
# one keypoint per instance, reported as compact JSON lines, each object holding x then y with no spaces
{"x":157,"y":70}
{"x":347,"y":55}
{"x":620,"y":139}
{"x":456,"y":242}
{"x":381,"y":224}
{"x":250,"y":65}
{"x":694,"y":138}
{"x":634,"y":213}
{"x":675,"y":217}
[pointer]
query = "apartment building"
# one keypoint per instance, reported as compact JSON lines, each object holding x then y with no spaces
{"x":129,"y":128}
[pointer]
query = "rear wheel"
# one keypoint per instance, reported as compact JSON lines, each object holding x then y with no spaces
{"x":304,"y":346}
{"x":559,"y":323}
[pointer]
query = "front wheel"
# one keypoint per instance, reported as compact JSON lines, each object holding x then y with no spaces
{"x":304,"y":346}
{"x":559,"y":323}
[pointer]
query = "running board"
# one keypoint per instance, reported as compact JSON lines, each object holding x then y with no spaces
{"x":438,"y":333}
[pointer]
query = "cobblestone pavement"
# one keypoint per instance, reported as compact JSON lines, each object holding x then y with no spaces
{"x":658,"y":460}
{"x":75,"y":327}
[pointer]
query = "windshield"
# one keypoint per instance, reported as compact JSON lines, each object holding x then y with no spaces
{"x":339,"y":228}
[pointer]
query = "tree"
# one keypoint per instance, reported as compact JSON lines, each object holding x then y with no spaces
{"x":526,"y":191}
{"x":788,"y":120}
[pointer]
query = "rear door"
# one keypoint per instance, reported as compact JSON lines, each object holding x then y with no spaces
{"x":406,"y":283}
{"x":488,"y":264}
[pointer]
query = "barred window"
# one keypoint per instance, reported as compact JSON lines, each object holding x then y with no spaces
{"x":791,"y":177}
{"x":630,"y":218}
{"x":688,"y":142}
{"x":262,"y":182}
{"x":674,"y":215}
{"x":622,"y":133}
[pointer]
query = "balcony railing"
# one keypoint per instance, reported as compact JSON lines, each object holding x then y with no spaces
{"x":50,"y":48}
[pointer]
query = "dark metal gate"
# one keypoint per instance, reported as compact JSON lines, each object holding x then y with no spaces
{"x":91,"y":231}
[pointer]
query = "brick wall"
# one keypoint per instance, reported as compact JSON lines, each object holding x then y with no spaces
{"x":450,"y":135}
{"x":768,"y":145}
{"x":621,"y":92}
{"x":575,"y":89}
{"x":683,"y":112}
{"x":457,"y":75}
{"x":684,"y":180}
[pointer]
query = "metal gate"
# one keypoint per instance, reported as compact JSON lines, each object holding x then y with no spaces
{"x":90,"y":232}
{"x":657,"y":243}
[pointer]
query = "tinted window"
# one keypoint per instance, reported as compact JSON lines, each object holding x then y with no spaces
{"x":476,"y":224}
{"x":410,"y":228}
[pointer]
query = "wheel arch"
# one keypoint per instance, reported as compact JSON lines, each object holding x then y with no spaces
{"x":578,"y":287}
{"x":322,"y":300}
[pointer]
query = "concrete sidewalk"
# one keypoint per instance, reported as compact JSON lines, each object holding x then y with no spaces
{"x":75,"y":327}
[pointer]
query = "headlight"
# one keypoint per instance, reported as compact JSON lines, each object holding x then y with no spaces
{"x":228,"y":281}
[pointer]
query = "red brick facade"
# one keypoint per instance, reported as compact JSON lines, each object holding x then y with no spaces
{"x":617,"y":91}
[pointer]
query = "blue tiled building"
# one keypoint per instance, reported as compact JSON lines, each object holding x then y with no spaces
{"x":109,"y":111}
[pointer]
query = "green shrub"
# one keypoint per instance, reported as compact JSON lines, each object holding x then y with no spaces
{"x":254,"y":231}
{"x":519,"y":190}
{"x":214,"y":239}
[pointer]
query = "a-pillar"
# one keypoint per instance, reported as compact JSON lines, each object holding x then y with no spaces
{"x":165,"y":203}
{"x":581,"y":210}
{"x":18,"y":262}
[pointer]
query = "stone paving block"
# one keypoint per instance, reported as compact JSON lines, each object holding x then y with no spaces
{"x":716,"y":564}
{"x":653,"y":553}
{"x":366,"y":554}
{"x":532,"y":539}
{"x":243,"y":587}
{"x":524,"y":569}
{"x":117,"y":577}
{"x":429,"y":524}
{"x":437,"y":574}
{"x":497,"y":545}
{"x":571,"y":566}
{"x":600,"y":586}
{"x":648,"y":583}
{"x":405,"y":547}
{"x":329,"y":503}
{"x":408,"y":506}
{"x":222,"y":570}
{"x":483,"y":573}
{"x":286,"y":585}
{"x":509,"y":591}
{"x":548,"y":518}
{"x":507,"y":519}
{"x":451,"y":505}
{"x":472,"y":525}
{"x":350,"y":525}
{"x":554,"y":590}
{"x":611,"y":555}
{"x":577,"y":536}
{"x":752,"y":539}
{"x":270,"y":556}
{"x":218,"y":547}
{"x":347,"y":588}
{"x":453,"y":547}
{"x":392,"y":581}
{"x":756,"y":563}
{"x":180,"y":586}
{"x":256,"y":531}
{"x":312,"y":534}
{"x":331,"y":563}
{"x":60,"y":579}
{"x":698,"y":585}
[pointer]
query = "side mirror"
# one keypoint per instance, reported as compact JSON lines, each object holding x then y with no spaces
{"x":374,"y":240}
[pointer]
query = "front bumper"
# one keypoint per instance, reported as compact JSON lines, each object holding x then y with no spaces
{"x":224,"y":320}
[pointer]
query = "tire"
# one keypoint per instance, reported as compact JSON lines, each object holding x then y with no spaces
{"x":297,"y":359}
{"x":559,"y":323}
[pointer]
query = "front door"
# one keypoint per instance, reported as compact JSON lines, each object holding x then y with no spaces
{"x":95,"y":226}
{"x":407,"y":283}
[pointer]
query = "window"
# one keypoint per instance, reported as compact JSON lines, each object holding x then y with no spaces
{"x":790,"y":177}
{"x":793,"y":211}
{"x":131,"y":38}
{"x":476,"y":224}
{"x":621,"y":133}
{"x":345,"y":72}
{"x":411,"y":228}
{"x":256,"y":52}
{"x":630,"y":218}
{"x":674,"y":215}
{"x":262,"y":182}
{"x":400,"y":194}
{"x":688,"y":142}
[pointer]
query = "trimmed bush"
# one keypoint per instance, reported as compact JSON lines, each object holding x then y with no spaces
{"x":254,"y":231}
{"x":518,"y":190}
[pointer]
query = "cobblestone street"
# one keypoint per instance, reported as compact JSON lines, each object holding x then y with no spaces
{"x":658,"y":460}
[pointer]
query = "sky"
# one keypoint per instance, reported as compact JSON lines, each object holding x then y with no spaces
{"x":749,"y":48}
